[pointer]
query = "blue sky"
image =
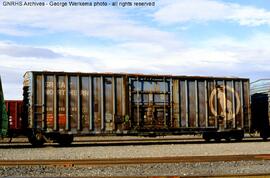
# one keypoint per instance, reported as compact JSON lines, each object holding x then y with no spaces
{"x":179,"y":37}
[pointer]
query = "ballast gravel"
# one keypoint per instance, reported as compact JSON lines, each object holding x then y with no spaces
{"x":91,"y":151}
{"x":53,"y":151}
{"x":170,"y":169}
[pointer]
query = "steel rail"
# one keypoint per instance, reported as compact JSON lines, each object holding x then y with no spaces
{"x":162,"y":140}
{"x":121,"y":140}
{"x":113,"y":140}
{"x":145,"y":160}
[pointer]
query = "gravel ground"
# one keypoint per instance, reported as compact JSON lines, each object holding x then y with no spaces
{"x":179,"y":169}
{"x":130,"y":151}
{"x":91,"y":151}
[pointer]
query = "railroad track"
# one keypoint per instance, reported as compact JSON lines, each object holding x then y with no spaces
{"x":142,"y":140}
{"x":102,"y":164}
{"x":125,"y":161}
{"x":83,"y":140}
{"x":104,"y":142}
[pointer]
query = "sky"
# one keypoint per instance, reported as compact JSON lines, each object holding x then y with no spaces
{"x":177,"y":37}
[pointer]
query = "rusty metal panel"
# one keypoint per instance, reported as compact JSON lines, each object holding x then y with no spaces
{"x":49,"y":101}
{"x":38,"y":102}
{"x":192,"y":104}
{"x":67,"y":102}
{"x":238,"y":104}
{"x":221,"y":103}
{"x":32,"y":101}
{"x":246,"y":106}
{"x":197,"y":104}
{"x":183,"y":103}
{"x":201,"y":104}
{"x":242,"y":103}
{"x":176,"y":104}
{"x":125,"y":96}
{"x":55,"y":110}
{"x":85,"y":103}
{"x":206,"y":105}
{"x":27,"y":120}
{"x":114,"y":103}
{"x":91,"y":103}
{"x":97,"y":103}
{"x":79,"y":103}
{"x":43,"y":101}
{"x":136,"y":100}
{"x":151,"y":102}
{"x":102,"y":102}
{"x":118,"y":105}
{"x":187,"y":102}
{"x":171,"y":120}
{"x":165,"y":102}
{"x":73,"y":105}
{"x":137,"y":86}
{"x":230,"y":110}
{"x":61,"y":102}
{"x":226,"y":104}
{"x":212,"y":103}
{"x":233,"y":106}
{"x":108,"y":103}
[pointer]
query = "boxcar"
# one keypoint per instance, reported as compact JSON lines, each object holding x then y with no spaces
{"x":14,"y":112}
{"x":260,"y":106}
{"x":59,"y":105}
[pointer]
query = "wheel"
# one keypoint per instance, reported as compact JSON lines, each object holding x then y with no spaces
{"x":65,"y":139}
{"x":238,"y":138}
{"x":264,"y":136}
{"x":36,"y":138}
{"x":217,"y":139}
{"x":206,"y":137}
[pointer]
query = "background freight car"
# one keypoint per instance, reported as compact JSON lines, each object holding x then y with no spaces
{"x":14,"y":112}
{"x":59,"y":105}
{"x":3,"y":113}
{"x":260,"y":99}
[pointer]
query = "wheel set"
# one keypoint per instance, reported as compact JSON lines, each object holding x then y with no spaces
{"x":37,"y":138}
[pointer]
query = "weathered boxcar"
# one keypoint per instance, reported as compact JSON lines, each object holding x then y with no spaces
{"x":3,"y":113}
{"x":260,"y":107}
{"x":59,"y":105}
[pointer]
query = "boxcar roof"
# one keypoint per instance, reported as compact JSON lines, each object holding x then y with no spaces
{"x":135,"y":75}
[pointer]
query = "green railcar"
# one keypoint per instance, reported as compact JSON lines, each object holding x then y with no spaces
{"x":3,"y":113}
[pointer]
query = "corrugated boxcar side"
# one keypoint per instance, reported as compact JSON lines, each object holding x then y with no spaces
{"x":190,"y":103}
{"x":14,"y":111}
{"x":109,"y":103}
{"x":69,"y":102}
